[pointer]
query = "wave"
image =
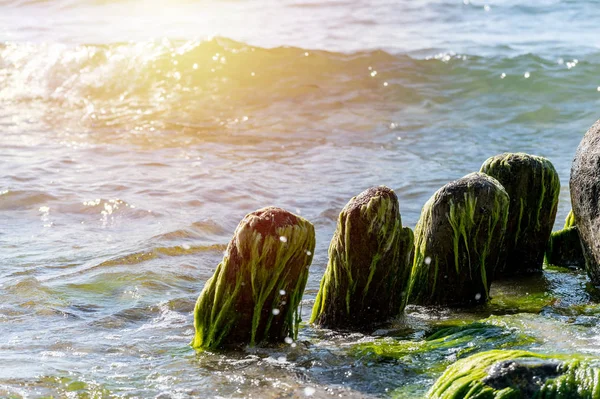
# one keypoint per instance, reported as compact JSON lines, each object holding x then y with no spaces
{"x":220,"y":89}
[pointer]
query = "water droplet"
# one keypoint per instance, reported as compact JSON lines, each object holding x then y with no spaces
{"x":487,"y":8}
{"x":398,"y":138}
{"x":526,"y":75}
{"x":283,"y":239}
{"x":293,"y":345}
{"x":477,"y":296}
{"x":276,"y":311}
{"x":428,"y":260}
{"x":281,"y":292}
{"x":186,"y":246}
{"x":598,"y":88}
{"x":503,"y":75}
{"x":288,"y":340}
{"x":373,"y":74}
{"x":310,"y":253}
{"x":385,"y":83}
{"x":195,"y":66}
{"x":561,"y":61}
{"x":252,"y":74}
{"x":306,"y":54}
{"x":309,"y":391}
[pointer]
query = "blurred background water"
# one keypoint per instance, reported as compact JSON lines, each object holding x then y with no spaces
{"x":134,"y":135}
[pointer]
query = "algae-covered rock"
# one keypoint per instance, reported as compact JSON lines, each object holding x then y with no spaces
{"x":585,"y":198}
{"x":433,"y":352}
{"x":533,"y":187}
{"x":518,"y":374}
{"x":253,"y":296}
{"x":458,"y":241}
{"x":370,"y":257}
{"x":564,"y":247}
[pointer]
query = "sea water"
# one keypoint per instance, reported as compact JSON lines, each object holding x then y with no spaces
{"x":134,"y":135}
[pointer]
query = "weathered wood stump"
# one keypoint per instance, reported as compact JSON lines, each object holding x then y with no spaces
{"x":253,"y":296}
{"x":564,"y":248}
{"x":458,"y":242}
{"x":533,"y":187}
{"x":369,"y":260}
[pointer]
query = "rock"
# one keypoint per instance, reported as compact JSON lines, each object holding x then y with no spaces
{"x":518,"y":374}
{"x":370,"y":257}
{"x":585,"y":197}
{"x":253,"y":296}
{"x":458,"y":241}
{"x":533,"y":187}
{"x":564,"y":248}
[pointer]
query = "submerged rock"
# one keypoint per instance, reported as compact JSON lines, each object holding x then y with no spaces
{"x":253,"y":296}
{"x":518,"y":374}
{"x":564,"y":247}
{"x":370,"y":257}
{"x":432,"y":353}
{"x":585,"y":197}
{"x":533,"y":187}
{"x":458,"y":241}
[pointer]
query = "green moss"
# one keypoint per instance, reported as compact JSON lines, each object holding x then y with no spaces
{"x":518,"y":374}
{"x":531,"y":303}
{"x":369,"y":262}
{"x":254,"y":294}
{"x":570,"y":220}
{"x":436,"y":351}
{"x":533,"y":186}
{"x":522,"y":294}
{"x":476,"y":210}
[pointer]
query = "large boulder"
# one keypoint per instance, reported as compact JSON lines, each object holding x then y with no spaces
{"x":517,"y":374}
{"x":458,"y":241}
{"x":370,"y":257}
{"x":585,"y":198}
{"x":564,"y":248}
{"x":533,"y":187}
{"x":253,"y":296}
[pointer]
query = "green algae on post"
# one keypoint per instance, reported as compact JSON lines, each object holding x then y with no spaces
{"x":564,"y":248}
{"x":518,"y":374}
{"x":254,"y":294}
{"x":458,"y":241}
{"x":369,"y":261}
{"x":533,"y":187}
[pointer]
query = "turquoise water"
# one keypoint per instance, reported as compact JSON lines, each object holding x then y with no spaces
{"x":136,"y":135}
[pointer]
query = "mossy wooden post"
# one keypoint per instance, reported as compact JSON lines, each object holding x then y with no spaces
{"x":584,"y":185}
{"x":253,"y":296}
{"x":369,"y":261}
{"x":518,"y":374}
{"x":533,"y":187}
{"x":458,"y":241}
{"x":564,"y":248}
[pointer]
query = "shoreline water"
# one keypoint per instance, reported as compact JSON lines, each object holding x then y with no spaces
{"x":125,"y":170}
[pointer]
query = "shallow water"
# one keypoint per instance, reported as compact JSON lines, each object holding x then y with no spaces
{"x":135,"y":136}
